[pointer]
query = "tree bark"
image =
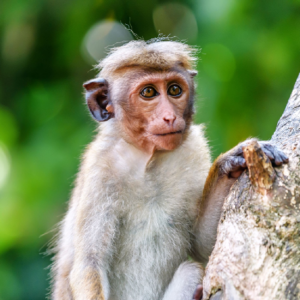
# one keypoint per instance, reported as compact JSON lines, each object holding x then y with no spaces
{"x":257,"y":253}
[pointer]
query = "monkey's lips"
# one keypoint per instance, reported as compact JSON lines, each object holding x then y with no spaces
{"x":167,"y":140}
{"x":168,"y":133}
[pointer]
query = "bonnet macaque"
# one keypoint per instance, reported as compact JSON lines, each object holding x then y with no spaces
{"x":146,"y":196}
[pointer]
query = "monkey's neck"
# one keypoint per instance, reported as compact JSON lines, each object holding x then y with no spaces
{"x":133,"y":157}
{"x":126,"y":156}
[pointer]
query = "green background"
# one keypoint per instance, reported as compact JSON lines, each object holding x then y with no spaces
{"x":249,"y":63}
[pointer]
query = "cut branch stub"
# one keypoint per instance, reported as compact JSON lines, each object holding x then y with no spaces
{"x":261,"y":172}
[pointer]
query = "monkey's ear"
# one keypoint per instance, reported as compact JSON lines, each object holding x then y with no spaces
{"x":193,"y":73}
{"x":98,"y":100}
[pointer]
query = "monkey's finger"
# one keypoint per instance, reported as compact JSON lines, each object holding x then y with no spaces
{"x":278,"y":160}
{"x":268,"y":153}
{"x":284,"y":157}
{"x":238,"y":150}
{"x":238,"y":162}
{"x":232,"y":163}
{"x":279,"y":156}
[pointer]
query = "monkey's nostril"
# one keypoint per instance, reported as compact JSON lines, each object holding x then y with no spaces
{"x":170,"y":119}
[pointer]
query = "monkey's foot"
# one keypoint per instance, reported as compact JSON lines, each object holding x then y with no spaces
{"x":198,"y":292}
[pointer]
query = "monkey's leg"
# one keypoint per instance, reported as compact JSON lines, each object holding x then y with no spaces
{"x":185,"y":281}
{"x":87,"y":281}
{"x":64,"y":260}
{"x":80,"y":268}
{"x":61,"y":288}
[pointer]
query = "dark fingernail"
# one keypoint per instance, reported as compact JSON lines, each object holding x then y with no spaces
{"x":285,"y":158}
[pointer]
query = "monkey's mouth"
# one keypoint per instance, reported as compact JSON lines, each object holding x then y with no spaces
{"x":173,"y":132}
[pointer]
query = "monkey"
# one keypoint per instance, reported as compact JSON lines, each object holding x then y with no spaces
{"x":143,"y":215}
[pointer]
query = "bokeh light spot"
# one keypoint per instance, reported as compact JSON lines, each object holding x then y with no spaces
{"x":18,"y":41}
{"x":4,"y":165}
{"x":176,"y":20}
{"x":215,"y":10}
{"x":218,"y":62}
{"x":101,"y":36}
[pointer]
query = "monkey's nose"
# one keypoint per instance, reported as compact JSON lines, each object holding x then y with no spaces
{"x":169,"y":119}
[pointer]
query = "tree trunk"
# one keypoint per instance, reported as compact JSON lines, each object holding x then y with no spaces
{"x":257,"y":253}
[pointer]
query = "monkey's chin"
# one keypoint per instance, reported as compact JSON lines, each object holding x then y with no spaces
{"x":167,"y":141}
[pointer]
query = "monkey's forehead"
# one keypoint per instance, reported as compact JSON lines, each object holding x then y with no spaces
{"x":162,"y":54}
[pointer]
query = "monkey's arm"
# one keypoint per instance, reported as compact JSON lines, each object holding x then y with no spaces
{"x":216,"y":188}
{"x":94,"y":231}
{"x":82,"y":261}
{"x":223,"y":173}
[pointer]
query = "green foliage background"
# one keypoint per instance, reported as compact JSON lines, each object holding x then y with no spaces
{"x":249,"y":63}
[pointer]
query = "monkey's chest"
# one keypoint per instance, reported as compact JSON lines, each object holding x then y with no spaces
{"x":154,"y":233}
{"x":153,"y":239}
{"x":155,"y":226}
{"x":155,"y":220}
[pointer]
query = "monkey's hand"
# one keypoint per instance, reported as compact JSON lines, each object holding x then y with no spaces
{"x":233,"y":163}
{"x":223,"y":173}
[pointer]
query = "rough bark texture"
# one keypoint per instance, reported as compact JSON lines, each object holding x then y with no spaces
{"x":257,"y":254}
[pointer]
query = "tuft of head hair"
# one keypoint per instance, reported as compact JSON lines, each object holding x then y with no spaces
{"x":156,"y":53}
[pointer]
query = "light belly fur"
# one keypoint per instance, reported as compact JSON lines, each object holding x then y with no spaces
{"x":148,"y":250}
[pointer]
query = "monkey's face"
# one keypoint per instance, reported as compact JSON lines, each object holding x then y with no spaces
{"x":155,"y":112}
{"x":152,"y":108}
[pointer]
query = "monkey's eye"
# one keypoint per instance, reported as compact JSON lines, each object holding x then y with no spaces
{"x":174,"y":90}
{"x":148,"y":92}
